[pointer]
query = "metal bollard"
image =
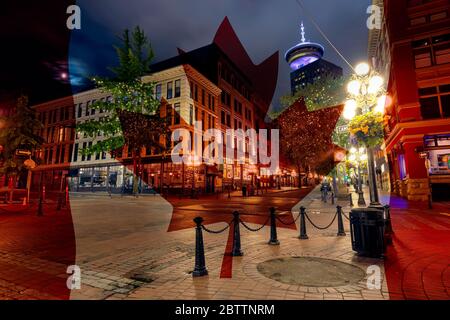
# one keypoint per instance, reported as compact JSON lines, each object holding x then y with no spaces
{"x":361,"y":201}
{"x":341,"y":231}
{"x":351,"y":200}
{"x":387,"y":210}
{"x":40,"y":212}
{"x":273,"y":228}
{"x":388,"y":224}
{"x":303,"y":234}
{"x":200,"y":268}
{"x":236,"y":252}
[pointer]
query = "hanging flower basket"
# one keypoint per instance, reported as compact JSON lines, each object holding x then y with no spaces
{"x":367,"y":129}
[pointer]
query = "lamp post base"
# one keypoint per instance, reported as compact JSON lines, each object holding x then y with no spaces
{"x":361,"y":201}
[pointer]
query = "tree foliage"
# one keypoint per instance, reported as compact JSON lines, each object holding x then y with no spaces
{"x":322,"y":93}
{"x":19,"y":131}
{"x":305,"y":137}
{"x":131,"y":97}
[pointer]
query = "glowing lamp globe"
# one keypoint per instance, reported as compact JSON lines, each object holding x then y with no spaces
{"x":362,"y":69}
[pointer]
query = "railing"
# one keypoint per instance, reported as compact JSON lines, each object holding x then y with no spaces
{"x":273,"y":217}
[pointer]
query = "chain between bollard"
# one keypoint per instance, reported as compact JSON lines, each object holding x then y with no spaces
{"x":345,"y":216}
{"x":321,"y":228}
{"x":288,"y":224}
{"x":216,"y":231}
{"x":254,"y":230}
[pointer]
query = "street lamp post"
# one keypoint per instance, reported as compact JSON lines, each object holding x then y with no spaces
{"x":358,"y":156}
{"x":366,"y":94}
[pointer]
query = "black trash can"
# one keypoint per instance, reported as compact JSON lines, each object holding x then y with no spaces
{"x":367,"y":228}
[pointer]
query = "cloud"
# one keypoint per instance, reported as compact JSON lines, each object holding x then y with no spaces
{"x":264,"y":26}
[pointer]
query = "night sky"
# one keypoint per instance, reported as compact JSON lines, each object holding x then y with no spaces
{"x":264,"y":26}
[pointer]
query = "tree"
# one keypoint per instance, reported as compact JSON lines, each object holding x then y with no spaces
{"x":305,"y":137}
{"x":19,"y":132}
{"x":133,"y":116}
{"x":322,"y":93}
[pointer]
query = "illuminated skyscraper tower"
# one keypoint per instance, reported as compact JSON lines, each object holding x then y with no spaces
{"x":307,"y":65}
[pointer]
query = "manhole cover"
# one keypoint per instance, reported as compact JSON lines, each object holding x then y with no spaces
{"x":311,"y":272}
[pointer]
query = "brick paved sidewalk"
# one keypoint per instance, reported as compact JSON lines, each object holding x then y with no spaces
{"x":150,"y":263}
{"x":417,"y":263}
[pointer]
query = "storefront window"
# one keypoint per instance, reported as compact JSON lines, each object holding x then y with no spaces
{"x":438,"y":148}
{"x":115,"y":178}
{"x":85,"y":177}
{"x":99,"y":177}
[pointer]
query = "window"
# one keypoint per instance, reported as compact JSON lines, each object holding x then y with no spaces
{"x":67,"y":112}
{"x":89,"y":156}
{"x":435,"y":102}
{"x":203,"y":97}
{"x":432,"y":51}
{"x":195,"y":92}
{"x":445,"y":103}
{"x":158,"y":90}
{"x":103,"y":155}
{"x":429,"y":108}
{"x":93,"y":109}
{"x":228,"y":120}
{"x":237,"y":106}
{"x":80,"y":110}
{"x":75,"y":153}
{"x":57,"y":154}
{"x":177,"y":114}
{"x":203,"y":120}
{"x":63,"y":153}
{"x":226,"y":98}
{"x":69,"y":155}
{"x":402,"y":166}
{"x":50,"y":156}
{"x":169,"y":90}
{"x":177,"y":88}
{"x":83,"y":156}
{"x":61,"y":114}
{"x":191,"y":115}
{"x":87,"y":108}
{"x":222,"y":117}
{"x":169,"y":114}
{"x":438,"y":16}
{"x":102,"y":100}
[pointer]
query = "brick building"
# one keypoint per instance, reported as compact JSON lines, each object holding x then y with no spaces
{"x":412,"y":51}
{"x":217,"y":84}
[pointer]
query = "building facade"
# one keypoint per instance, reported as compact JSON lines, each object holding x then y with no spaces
{"x":216,"y":86}
{"x":59,"y":119}
{"x":412,"y":50}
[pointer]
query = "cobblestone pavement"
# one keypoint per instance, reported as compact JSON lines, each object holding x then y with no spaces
{"x":35,"y":252}
{"x":125,"y":252}
{"x":418,"y":262}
